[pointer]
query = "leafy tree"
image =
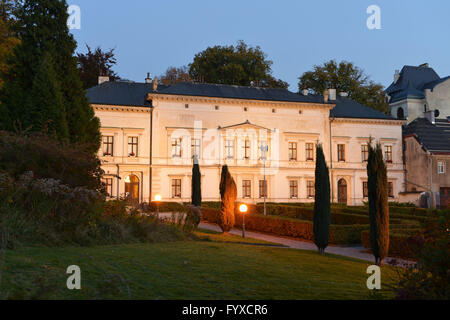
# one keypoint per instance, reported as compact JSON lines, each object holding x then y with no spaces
{"x":322,"y":213}
{"x":378,"y":203}
{"x":345,"y":77}
{"x":174,"y":75}
{"x":46,"y":111}
{"x":96,"y":63}
{"x":43,"y":30}
{"x":196,"y":184}
{"x":8,"y":36}
{"x":235,"y":65}
{"x":228,"y":194}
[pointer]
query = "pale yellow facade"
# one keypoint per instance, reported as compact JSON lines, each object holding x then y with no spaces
{"x":231,"y":131}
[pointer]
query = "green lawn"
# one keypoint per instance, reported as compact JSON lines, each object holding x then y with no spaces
{"x":213,"y":269}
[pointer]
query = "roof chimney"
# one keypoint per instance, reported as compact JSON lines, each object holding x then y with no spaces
{"x":325,"y":95}
{"x":305,"y":92}
{"x":102,"y":79}
{"x":155,"y":84}
{"x":332,"y":94}
{"x":396,"y":76}
{"x":148,"y":79}
{"x":430,"y":116}
{"x":424,"y":65}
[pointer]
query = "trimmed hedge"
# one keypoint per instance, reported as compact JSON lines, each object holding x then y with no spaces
{"x":163,"y":207}
{"x":401,"y":245}
{"x":282,"y":226}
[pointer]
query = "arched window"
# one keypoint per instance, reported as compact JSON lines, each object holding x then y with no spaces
{"x":342,"y":191}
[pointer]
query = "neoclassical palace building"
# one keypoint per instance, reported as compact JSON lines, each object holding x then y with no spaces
{"x":267,"y":137}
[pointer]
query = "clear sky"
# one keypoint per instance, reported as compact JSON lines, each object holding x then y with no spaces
{"x":150,"y":36}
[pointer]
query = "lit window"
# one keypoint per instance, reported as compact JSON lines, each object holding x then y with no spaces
{"x":388,"y":153}
{"x":108,"y":146}
{"x":195,"y":147}
{"x":441,"y":167}
{"x":364,"y":152}
{"x":176,"y":188}
{"x":229,"y":149}
{"x":262,"y":188}
{"x":246,"y":188}
{"x":341,"y":152}
{"x":176,"y":148}
{"x":132,"y":146}
{"x":292,"y":151}
{"x":365,"y":189}
{"x":309,"y":152}
{"x":293,"y":189}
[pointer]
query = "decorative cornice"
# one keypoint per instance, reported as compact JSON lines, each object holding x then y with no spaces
{"x":101,"y":107}
{"x":217,"y":100}
{"x":373,"y":121}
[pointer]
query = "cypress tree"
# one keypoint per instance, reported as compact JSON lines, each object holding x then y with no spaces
{"x":196,"y":184}
{"x":228,"y":194}
{"x":43,"y":30}
{"x":322,"y":202}
{"x":378,"y":203}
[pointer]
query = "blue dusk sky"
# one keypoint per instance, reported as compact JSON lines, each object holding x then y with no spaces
{"x":150,"y":36}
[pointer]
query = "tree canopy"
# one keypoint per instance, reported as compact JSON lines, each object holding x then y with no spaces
{"x":46,"y":41}
{"x":345,"y":77}
{"x":93,"y":64}
{"x":174,"y":75}
{"x":8,"y":36}
{"x":235,"y":65}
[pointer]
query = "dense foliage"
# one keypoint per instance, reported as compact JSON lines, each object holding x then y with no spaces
{"x":345,"y":77}
{"x":44,"y":63}
{"x":322,"y":213}
{"x":228,"y":194}
{"x":95,"y":63}
{"x":378,"y":203}
{"x":235,"y":65}
{"x":8,"y":36}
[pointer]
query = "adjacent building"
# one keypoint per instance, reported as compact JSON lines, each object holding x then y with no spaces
{"x":267,"y":137}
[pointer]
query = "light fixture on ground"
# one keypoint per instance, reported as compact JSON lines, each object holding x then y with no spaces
{"x":157,"y":200}
{"x":243,"y":208}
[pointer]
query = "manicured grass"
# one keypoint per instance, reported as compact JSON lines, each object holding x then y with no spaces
{"x":185,"y":270}
{"x":209,"y":235}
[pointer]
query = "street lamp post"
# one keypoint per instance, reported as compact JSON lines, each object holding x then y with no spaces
{"x":157,"y":200}
{"x":243,"y":209}
{"x":264,"y":149}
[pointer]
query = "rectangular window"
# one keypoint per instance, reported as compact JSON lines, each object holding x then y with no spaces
{"x":108,"y":146}
{"x":293,"y":189}
{"x":309,"y":152}
{"x":365,"y":189}
{"x":247,"y":149}
{"x":263,"y":150}
{"x":310,"y":189}
{"x":364,"y":152}
{"x":176,"y":148}
{"x":108,"y":183}
{"x":292,"y":151}
{"x":132,"y":146}
{"x":341,"y":152}
{"x":176,"y":188}
{"x":390,"y":189}
{"x":388,"y":153}
{"x":246,"y":188}
{"x":262,"y":188}
{"x":196,"y":147}
{"x":441,"y":167}
{"x":229,"y":149}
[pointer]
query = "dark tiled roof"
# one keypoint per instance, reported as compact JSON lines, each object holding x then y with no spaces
{"x":120,"y":93}
{"x":134,"y":94}
{"x":444,"y":124}
{"x":431,"y":137}
{"x":412,"y":83}
{"x":347,"y":108}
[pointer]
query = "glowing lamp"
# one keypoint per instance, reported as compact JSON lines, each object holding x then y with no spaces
{"x":158,"y":197}
{"x":243,"y":208}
